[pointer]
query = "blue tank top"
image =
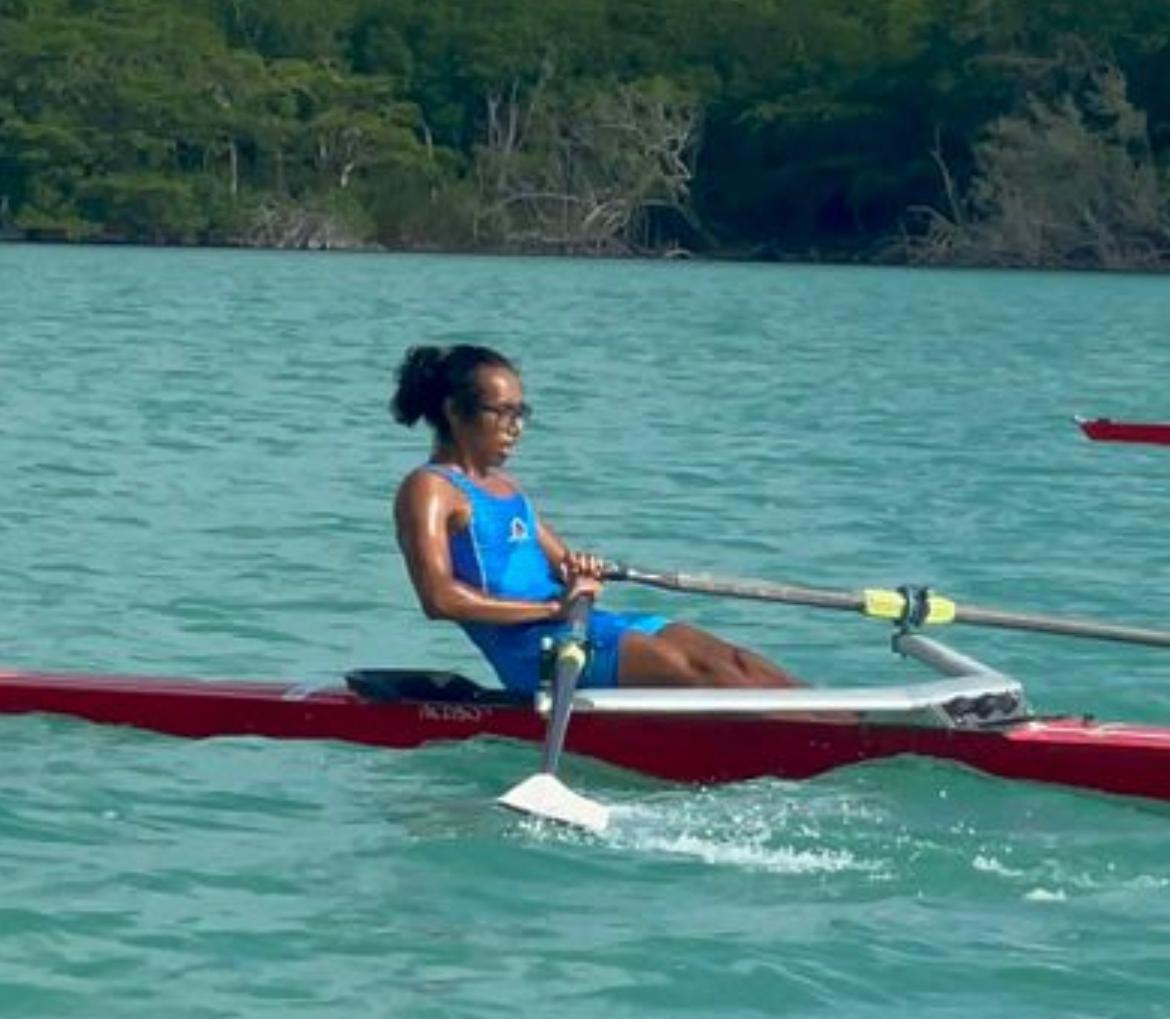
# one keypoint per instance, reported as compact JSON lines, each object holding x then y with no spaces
{"x":499,"y":553}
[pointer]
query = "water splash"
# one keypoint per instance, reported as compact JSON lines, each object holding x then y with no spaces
{"x":767,"y":827}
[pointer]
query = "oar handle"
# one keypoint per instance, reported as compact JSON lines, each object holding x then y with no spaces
{"x":578,"y":616}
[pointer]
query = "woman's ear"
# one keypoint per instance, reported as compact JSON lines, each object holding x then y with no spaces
{"x":451,"y":410}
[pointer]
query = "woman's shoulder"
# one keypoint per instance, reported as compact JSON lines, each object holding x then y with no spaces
{"x":437,"y":481}
{"x":423,"y":493}
{"x":424,"y":481}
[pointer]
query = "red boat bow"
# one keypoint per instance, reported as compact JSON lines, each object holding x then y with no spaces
{"x":1107,"y":430}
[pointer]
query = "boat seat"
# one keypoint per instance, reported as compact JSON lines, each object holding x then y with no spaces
{"x":390,"y":685}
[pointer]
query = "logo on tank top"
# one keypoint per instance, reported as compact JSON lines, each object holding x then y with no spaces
{"x":518,"y":531}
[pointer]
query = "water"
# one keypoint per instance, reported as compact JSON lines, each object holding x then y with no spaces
{"x":197,"y":470}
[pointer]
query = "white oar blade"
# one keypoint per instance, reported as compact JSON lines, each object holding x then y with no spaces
{"x":546,"y":796}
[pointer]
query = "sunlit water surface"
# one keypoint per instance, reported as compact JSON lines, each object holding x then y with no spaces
{"x":197,"y":466}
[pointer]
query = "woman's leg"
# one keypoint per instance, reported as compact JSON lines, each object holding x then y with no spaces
{"x":682,"y":655}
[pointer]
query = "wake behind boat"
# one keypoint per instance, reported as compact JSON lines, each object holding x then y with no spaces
{"x":975,"y":717}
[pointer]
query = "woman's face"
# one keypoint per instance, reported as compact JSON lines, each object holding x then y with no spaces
{"x":490,"y":432}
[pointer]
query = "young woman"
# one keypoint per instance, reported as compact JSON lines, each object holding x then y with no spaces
{"x":479,"y":555}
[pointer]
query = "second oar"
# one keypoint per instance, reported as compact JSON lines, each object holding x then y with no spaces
{"x":543,"y":794}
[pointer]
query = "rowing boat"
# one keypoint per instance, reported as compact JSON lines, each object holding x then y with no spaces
{"x":1108,"y":430}
{"x":975,"y":716}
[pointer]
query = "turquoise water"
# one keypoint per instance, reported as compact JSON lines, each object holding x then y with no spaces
{"x":197,"y":467}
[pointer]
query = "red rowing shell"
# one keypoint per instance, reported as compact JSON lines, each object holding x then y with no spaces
{"x":1107,"y":430}
{"x":1125,"y":759}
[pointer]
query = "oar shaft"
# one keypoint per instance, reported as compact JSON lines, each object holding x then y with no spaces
{"x":570,"y":663}
{"x":976,"y":616}
{"x":758,"y":590}
{"x":887,"y":605}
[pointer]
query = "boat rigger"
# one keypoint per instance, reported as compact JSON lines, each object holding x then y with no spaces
{"x":975,"y":717}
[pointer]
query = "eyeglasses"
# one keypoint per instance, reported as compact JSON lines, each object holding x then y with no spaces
{"x":508,"y":414}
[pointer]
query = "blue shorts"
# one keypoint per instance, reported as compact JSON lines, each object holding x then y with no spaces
{"x":514,"y":651}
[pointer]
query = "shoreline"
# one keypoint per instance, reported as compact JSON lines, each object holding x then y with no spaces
{"x":724,"y":257}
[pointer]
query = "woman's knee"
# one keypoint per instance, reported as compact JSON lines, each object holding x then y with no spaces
{"x":700,"y":658}
{"x":646,"y":659}
{"x":722,"y":664}
{"x":685,"y":656}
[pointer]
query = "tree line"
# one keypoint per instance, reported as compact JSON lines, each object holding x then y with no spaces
{"x":982,"y":132}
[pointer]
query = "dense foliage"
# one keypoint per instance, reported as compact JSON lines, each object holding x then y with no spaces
{"x":930,"y":130}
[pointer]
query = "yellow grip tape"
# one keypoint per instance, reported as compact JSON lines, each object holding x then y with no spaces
{"x":884,"y":604}
{"x":572,"y":654}
{"x":940,"y":610}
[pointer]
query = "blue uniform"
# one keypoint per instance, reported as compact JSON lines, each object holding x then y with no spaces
{"x":499,"y":553}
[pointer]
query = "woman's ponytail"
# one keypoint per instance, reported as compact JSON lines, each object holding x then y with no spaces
{"x":429,"y":376}
{"x":419,"y":393}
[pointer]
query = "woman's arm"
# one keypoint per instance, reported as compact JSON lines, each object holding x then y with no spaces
{"x":554,"y":548}
{"x":568,"y":564}
{"x":423,"y":512}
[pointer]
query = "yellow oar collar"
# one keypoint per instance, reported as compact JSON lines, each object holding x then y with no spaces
{"x":908,"y":607}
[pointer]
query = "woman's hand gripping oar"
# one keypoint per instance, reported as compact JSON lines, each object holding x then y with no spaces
{"x":907,"y":606}
{"x":543,"y":794}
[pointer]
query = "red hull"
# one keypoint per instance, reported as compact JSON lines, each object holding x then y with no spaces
{"x":1125,"y":759}
{"x":1105,"y":430}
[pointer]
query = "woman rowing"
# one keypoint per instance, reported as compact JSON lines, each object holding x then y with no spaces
{"x":480,"y":556}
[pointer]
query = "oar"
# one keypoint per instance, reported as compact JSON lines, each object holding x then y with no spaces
{"x":908,"y":605}
{"x":543,"y":794}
